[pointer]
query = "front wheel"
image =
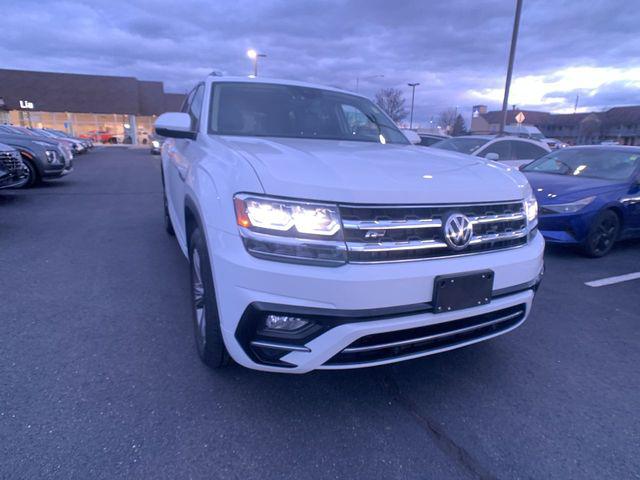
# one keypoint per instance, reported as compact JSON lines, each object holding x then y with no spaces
{"x":206,"y":320}
{"x":32,"y":175}
{"x":168,"y":226}
{"x":603,"y":234}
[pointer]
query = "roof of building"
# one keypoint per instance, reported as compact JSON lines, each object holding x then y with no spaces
{"x":532,"y":117}
{"x":613,"y":116}
{"x":79,"y":93}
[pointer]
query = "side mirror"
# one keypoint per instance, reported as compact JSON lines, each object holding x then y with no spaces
{"x":175,"y":125}
{"x":492,"y":156}
{"x":412,"y":136}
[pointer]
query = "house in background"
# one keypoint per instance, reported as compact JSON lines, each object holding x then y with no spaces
{"x":620,"y":124}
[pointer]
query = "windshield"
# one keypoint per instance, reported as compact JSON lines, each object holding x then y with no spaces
{"x":268,"y":110}
{"x":585,"y":162}
{"x":463,"y":145}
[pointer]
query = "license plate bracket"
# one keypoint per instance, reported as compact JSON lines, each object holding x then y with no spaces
{"x":462,"y":290}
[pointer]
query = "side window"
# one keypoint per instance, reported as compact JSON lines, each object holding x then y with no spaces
{"x":527,"y":151}
{"x":195,"y":107}
{"x":501,"y":147}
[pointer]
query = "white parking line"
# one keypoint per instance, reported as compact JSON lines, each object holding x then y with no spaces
{"x":611,"y":280}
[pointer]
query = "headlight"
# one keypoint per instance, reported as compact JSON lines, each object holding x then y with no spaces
{"x":52,"y":156}
{"x":155,"y":143}
{"x":531,"y":209}
{"x":290,"y":231}
{"x":570,"y":207}
{"x":287,"y":217}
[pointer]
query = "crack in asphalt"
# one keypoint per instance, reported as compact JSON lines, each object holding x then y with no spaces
{"x":444,"y":442}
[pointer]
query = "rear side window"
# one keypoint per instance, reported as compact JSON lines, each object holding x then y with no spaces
{"x":527,"y":151}
{"x":502,"y":148}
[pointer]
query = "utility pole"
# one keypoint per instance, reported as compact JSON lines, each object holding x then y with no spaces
{"x":366,"y":78}
{"x":512,"y":54}
{"x":575,"y":107}
{"x":413,"y":97}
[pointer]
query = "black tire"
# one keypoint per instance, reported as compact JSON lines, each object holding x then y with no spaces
{"x":204,"y":307}
{"x":168,"y":226}
{"x":33,"y":175}
{"x":603,"y":233}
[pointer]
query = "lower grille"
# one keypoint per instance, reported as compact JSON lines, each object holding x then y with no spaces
{"x":428,"y":339}
{"x":11,"y":161}
{"x":390,"y":233}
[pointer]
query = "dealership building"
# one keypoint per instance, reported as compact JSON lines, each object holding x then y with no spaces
{"x":107,"y":108}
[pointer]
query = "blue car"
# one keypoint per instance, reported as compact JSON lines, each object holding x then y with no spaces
{"x":588,"y":196}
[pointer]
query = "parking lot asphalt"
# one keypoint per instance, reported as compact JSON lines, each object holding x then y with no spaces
{"x":99,"y":376}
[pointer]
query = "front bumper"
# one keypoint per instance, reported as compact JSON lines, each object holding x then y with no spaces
{"x":14,"y":181}
{"x":570,"y":229}
{"x":395,"y":288}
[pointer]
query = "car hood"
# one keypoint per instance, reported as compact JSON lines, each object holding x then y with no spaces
{"x":6,"y":148}
{"x":364,"y":172}
{"x":550,"y":188}
{"x":25,"y":141}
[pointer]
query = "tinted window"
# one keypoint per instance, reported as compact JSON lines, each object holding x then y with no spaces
{"x":501,"y":147}
{"x":270,"y":110}
{"x":608,"y":164}
{"x":527,"y":151}
{"x":461,"y":144}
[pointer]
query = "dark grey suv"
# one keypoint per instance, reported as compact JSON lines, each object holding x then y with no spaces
{"x":44,"y":159}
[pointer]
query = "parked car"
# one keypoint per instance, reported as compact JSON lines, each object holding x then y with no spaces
{"x":428,"y":139}
{"x":588,"y":196}
{"x":86,"y":142}
{"x":514,"y":151}
{"x":13,"y":172}
{"x":65,"y":147}
{"x":156,"y":145}
{"x":554,"y":143}
{"x":318,"y":237}
{"x":44,"y":159}
{"x":103,"y":136}
{"x":78,"y":146}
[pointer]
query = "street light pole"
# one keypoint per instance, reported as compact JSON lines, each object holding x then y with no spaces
{"x":512,"y":54}
{"x":413,"y":97}
{"x":253,"y":55}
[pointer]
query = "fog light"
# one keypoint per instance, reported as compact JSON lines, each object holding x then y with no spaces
{"x":284,"y":322}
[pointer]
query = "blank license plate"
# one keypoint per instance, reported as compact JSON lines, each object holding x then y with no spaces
{"x":462,"y":290}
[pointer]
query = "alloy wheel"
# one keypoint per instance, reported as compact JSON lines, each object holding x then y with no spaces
{"x":197,"y":289}
{"x":604,"y":235}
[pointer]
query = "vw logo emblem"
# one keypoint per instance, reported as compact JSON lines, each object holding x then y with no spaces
{"x":458,"y":230}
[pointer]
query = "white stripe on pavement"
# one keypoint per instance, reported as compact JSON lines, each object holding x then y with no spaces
{"x":611,"y":280}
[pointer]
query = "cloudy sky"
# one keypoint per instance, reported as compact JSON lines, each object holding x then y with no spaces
{"x":457,"y":49}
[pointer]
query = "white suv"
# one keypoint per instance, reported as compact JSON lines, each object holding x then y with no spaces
{"x":319,"y":238}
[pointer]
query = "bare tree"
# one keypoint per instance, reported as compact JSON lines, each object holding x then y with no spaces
{"x":448,"y":119}
{"x":391,"y":101}
{"x":459,"y":127}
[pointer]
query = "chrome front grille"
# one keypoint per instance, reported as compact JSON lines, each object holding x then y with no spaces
{"x":389,"y":233}
{"x":11,"y":161}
